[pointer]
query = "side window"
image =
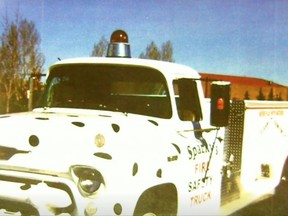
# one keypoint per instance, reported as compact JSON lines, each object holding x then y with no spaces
{"x":61,"y":91}
{"x":187,"y":100}
{"x":51,"y":91}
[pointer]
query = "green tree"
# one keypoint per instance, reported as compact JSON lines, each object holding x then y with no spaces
{"x":19,"y":57}
{"x":246,"y":95}
{"x":261,"y":96}
{"x":153,"y":52}
{"x":167,"y":52}
{"x":271,"y":95}
{"x":279,"y":97}
{"x":100,"y":49}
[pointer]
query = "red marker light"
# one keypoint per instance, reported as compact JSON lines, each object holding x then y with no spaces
{"x":220,"y":104}
{"x":119,"y":36}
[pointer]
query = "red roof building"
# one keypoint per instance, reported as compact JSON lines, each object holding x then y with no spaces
{"x":248,"y":88}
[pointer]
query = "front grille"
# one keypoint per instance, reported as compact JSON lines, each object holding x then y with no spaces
{"x":28,"y":196}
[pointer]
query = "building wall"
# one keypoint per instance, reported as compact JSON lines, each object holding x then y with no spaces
{"x":241,"y":87}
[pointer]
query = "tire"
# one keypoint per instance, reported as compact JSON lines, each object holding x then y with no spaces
{"x":158,"y":200}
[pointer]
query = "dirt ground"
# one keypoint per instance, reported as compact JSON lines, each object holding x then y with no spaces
{"x":274,"y":206}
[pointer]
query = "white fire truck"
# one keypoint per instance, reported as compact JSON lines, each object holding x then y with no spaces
{"x":123,"y":136}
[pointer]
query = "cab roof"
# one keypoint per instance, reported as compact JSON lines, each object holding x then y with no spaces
{"x":168,"y":69}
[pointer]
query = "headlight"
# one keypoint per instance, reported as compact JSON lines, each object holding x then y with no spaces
{"x":88,"y":179}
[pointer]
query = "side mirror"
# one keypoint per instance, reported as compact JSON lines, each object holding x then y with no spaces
{"x":220,"y":103}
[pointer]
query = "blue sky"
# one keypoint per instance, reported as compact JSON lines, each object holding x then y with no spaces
{"x":235,"y":37}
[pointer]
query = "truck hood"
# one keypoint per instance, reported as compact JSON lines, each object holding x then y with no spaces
{"x":56,"y":139}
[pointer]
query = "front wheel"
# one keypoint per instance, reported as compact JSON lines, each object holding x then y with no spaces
{"x":157,"y":200}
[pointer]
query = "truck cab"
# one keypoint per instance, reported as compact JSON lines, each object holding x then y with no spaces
{"x":151,"y":121}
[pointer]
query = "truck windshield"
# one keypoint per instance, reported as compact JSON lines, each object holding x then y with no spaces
{"x":124,"y":88}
